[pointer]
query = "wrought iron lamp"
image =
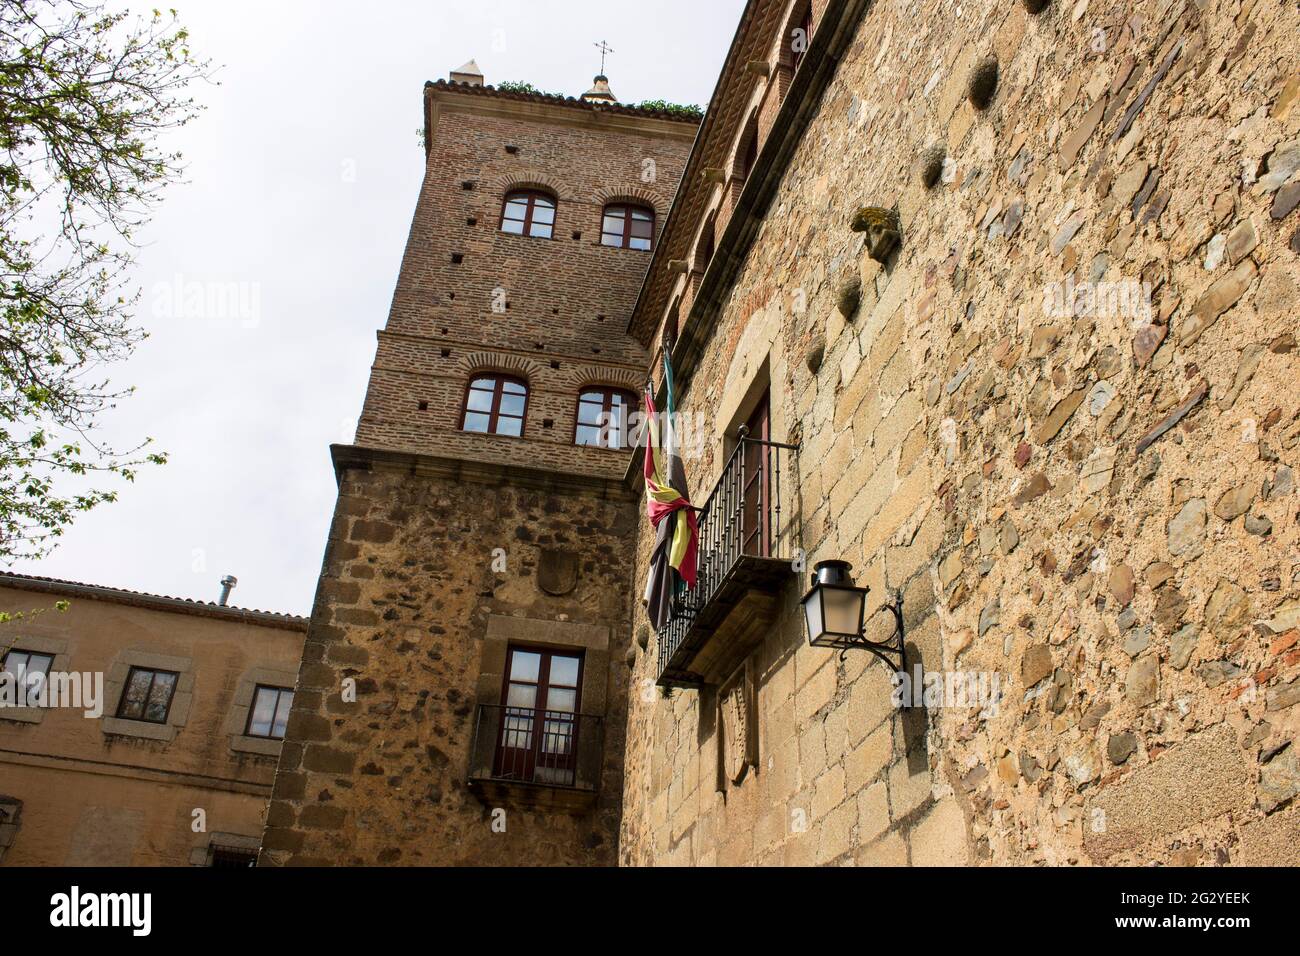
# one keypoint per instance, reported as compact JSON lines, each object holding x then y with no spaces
{"x":834,"y":611}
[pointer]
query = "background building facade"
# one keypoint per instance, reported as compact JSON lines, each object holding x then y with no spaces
{"x":176,"y":768}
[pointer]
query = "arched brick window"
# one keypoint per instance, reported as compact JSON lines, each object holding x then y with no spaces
{"x":673,"y":324}
{"x":604,"y":417}
{"x":496,"y":405}
{"x":628,"y":226}
{"x":747,"y":153}
{"x":527,"y":212}
{"x":707,"y":245}
{"x":800,"y":35}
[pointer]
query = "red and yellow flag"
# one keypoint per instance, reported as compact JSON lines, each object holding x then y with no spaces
{"x":665,"y":501}
{"x":674,"y":562}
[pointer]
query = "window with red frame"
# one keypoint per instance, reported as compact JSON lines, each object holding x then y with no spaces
{"x":538,"y":740}
{"x":495,"y":405}
{"x":604,"y":416}
{"x":527,"y":212}
{"x":628,"y":227}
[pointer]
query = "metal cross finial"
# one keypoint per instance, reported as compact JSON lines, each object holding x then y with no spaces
{"x":605,"y":49}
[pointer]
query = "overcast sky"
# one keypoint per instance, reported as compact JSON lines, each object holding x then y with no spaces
{"x":302,"y":177}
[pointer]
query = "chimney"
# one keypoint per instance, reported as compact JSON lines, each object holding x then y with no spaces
{"x":600,"y":91}
{"x":468,"y":73}
{"x":227,"y":585}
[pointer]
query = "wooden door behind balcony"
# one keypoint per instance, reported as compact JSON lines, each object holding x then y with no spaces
{"x":756,"y":483}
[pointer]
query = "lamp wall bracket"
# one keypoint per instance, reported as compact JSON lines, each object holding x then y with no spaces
{"x":892,"y":650}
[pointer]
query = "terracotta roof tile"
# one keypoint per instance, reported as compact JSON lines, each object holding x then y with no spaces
{"x":143,"y":599}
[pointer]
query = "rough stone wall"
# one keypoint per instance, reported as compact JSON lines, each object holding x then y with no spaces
{"x":404,"y":603}
{"x":1098,"y":509}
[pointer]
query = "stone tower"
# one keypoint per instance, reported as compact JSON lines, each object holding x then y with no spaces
{"x":462,"y":695}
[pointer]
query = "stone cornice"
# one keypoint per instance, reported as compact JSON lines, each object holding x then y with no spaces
{"x":486,"y":100}
{"x":154,"y":775}
{"x":492,"y":474}
{"x":545,"y":358}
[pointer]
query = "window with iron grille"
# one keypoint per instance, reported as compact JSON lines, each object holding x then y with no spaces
{"x":148,"y":695}
{"x":756,"y":490}
{"x":270,"y":712}
{"x":604,"y":418}
{"x":496,"y":405}
{"x":527,"y":212}
{"x":627,"y":226}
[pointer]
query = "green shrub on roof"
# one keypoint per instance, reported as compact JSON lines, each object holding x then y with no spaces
{"x":516,"y":86}
{"x":686,"y":111}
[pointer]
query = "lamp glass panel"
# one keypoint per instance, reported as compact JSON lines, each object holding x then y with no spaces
{"x":812,"y":610}
{"x":843,"y":609}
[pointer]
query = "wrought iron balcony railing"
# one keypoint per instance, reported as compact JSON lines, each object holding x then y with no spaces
{"x":746,"y":555}
{"x":540,"y":758}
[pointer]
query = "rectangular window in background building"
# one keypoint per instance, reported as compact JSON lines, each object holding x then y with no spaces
{"x":24,"y":664}
{"x":269,"y":714}
{"x":148,"y":695}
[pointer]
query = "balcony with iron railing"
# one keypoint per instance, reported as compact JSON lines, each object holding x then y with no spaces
{"x":746,"y":555}
{"x":536,"y":759}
